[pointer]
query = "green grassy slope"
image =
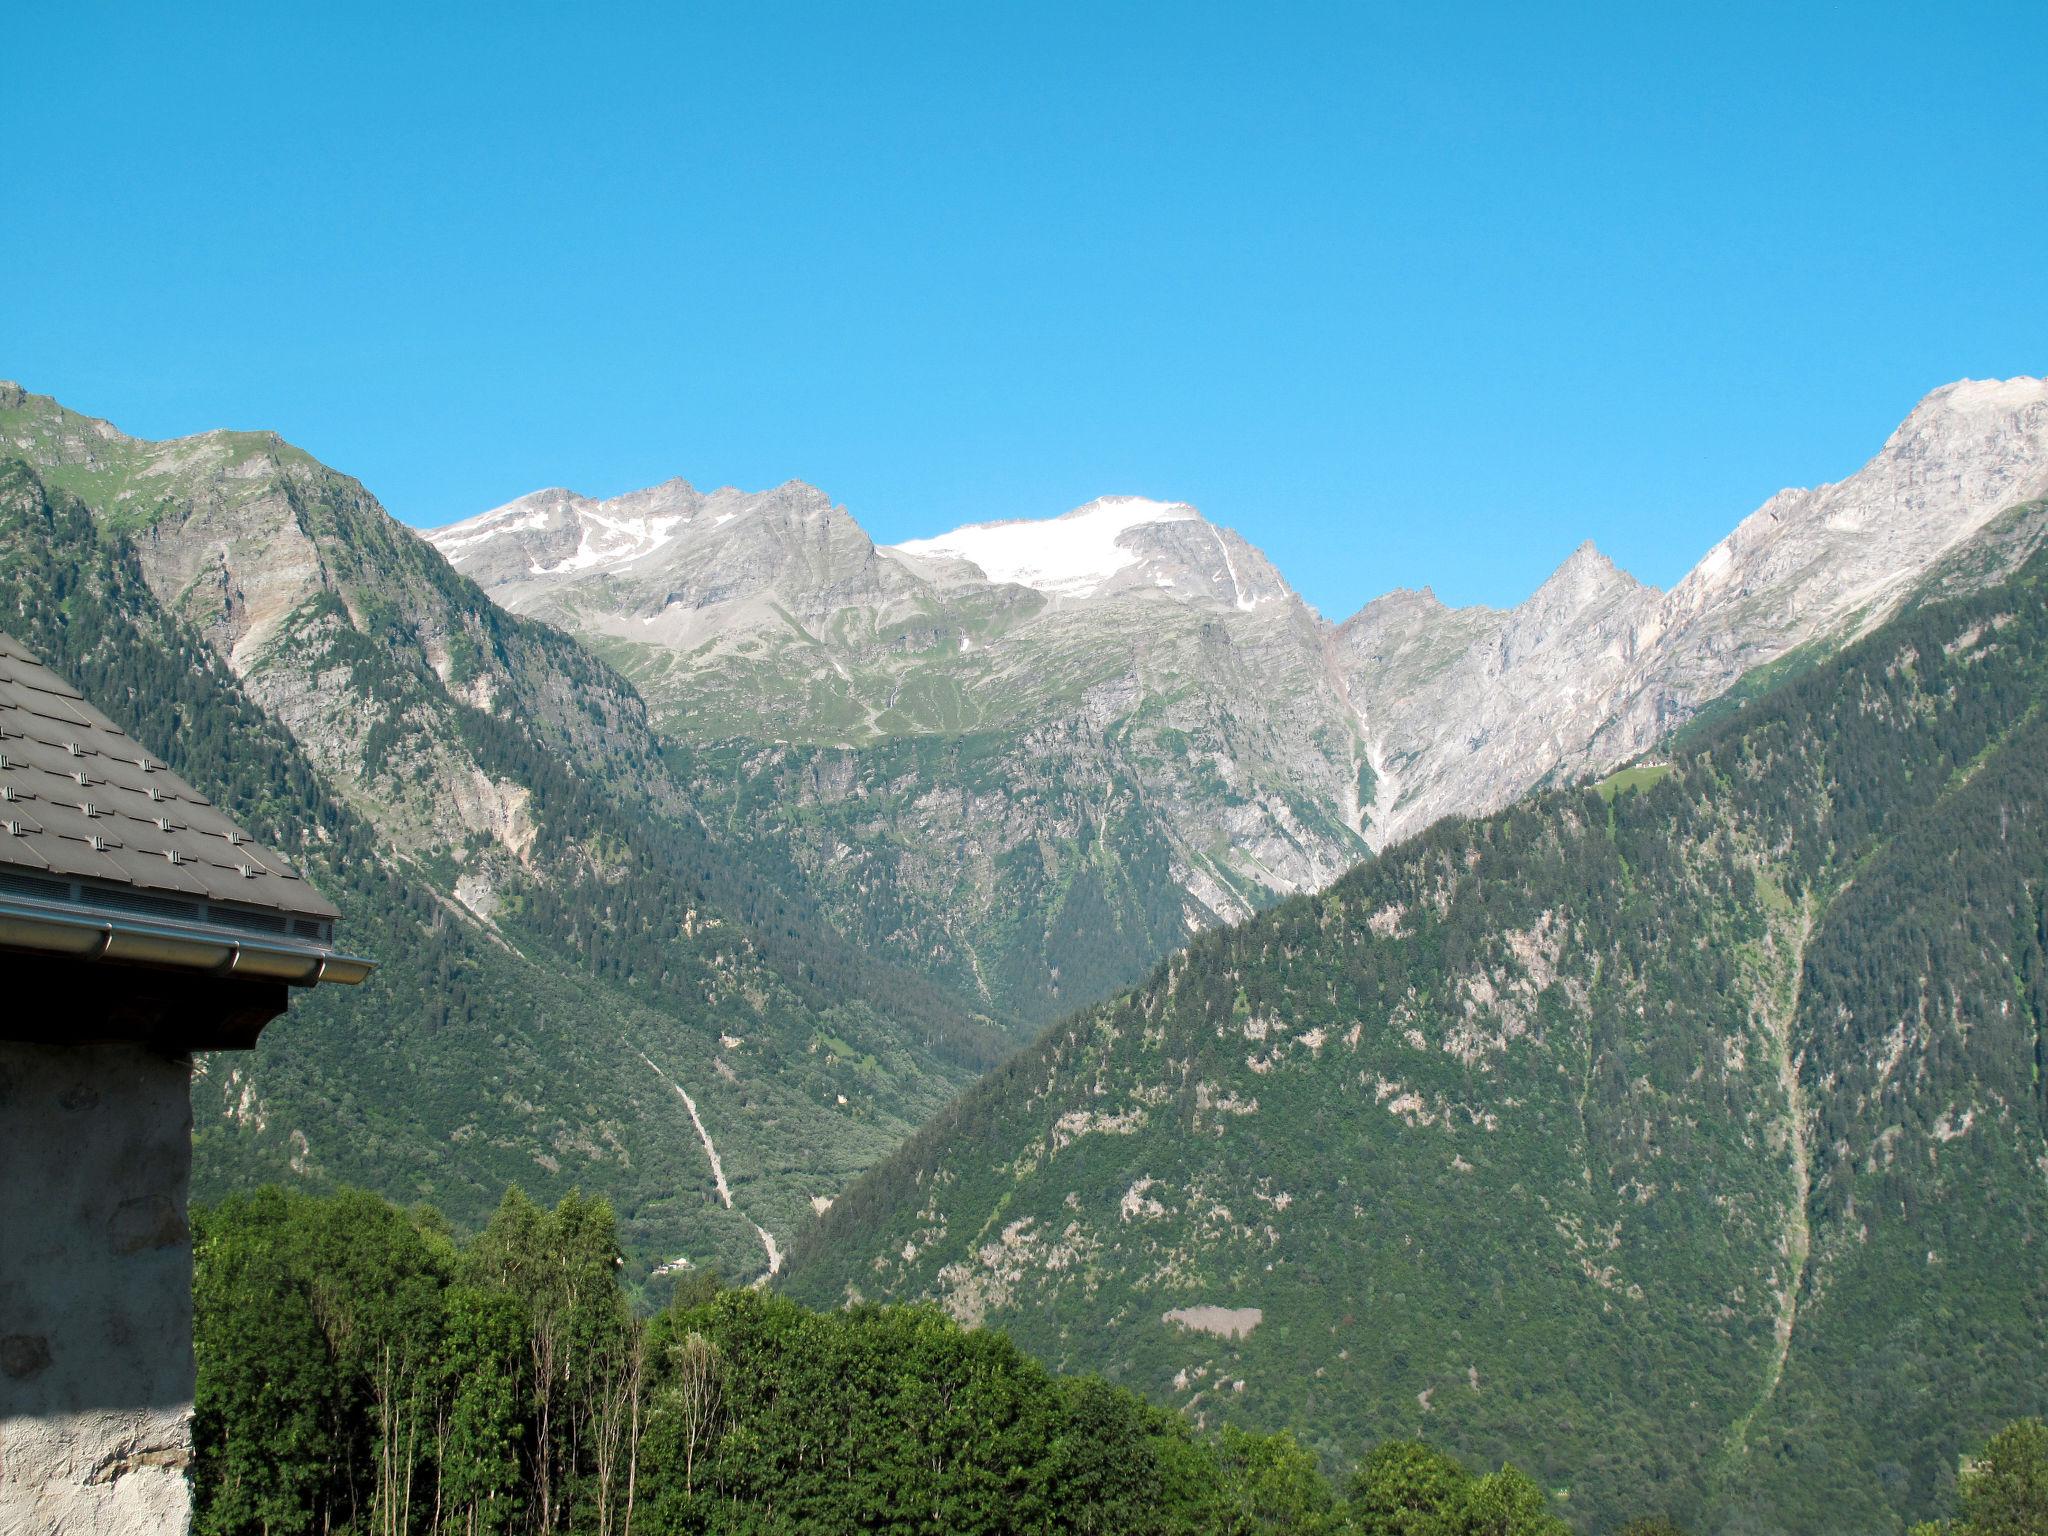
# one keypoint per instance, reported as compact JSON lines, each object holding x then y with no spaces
{"x":1686,"y":1143}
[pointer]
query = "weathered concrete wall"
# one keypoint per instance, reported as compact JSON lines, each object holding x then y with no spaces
{"x":95,"y":1289}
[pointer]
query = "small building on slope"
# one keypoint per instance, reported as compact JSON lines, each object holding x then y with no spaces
{"x":138,"y":925}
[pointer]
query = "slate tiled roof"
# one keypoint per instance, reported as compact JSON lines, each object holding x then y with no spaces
{"x":81,"y":800}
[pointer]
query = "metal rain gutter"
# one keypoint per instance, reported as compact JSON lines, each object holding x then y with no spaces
{"x":93,"y":933}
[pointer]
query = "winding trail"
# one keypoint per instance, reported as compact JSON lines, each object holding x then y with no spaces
{"x":717,"y":1167}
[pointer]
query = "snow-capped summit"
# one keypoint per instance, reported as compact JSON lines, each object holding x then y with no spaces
{"x":1072,"y":555}
{"x":1112,"y":546}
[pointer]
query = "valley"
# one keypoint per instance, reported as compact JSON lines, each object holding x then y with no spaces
{"x":1024,"y":770}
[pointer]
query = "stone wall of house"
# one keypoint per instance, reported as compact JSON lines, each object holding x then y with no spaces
{"x":95,"y":1288}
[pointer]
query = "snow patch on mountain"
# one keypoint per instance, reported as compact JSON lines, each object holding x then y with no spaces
{"x":516,"y":518}
{"x":613,"y":541}
{"x":1072,"y":555}
{"x":528,"y":537}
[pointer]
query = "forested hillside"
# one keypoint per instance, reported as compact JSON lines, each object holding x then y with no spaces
{"x":1080,"y":908}
{"x":1683,"y":1138}
{"x":360,"y":1369}
{"x":545,"y":1024}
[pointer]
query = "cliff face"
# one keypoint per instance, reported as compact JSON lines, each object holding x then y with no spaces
{"x":347,"y":628}
{"x":1027,"y":757}
{"x":1030,"y":757}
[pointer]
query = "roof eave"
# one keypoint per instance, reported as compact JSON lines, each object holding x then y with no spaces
{"x":74,"y":932}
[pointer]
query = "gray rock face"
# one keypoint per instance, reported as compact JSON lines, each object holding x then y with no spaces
{"x":1468,"y":709}
{"x":513,"y":787}
{"x":1132,"y":666}
{"x":666,"y":557}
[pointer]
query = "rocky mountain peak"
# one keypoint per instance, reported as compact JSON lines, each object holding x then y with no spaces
{"x":560,"y":534}
{"x":1400,"y":602}
{"x":46,"y":428}
{"x":1983,"y":403}
{"x":1587,"y":557}
{"x":1968,"y":451}
{"x":770,"y":617}
{"x":1585,"y":577}
{"x":557,"y":531}
{"x":1594,"y":666}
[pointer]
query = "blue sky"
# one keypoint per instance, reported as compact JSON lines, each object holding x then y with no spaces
{"x":1407,"y":295}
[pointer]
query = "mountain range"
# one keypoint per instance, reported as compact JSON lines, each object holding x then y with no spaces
{"x":1031,"y":757}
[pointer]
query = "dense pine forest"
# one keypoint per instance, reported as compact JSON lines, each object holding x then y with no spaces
{"x":363,"y":1370}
